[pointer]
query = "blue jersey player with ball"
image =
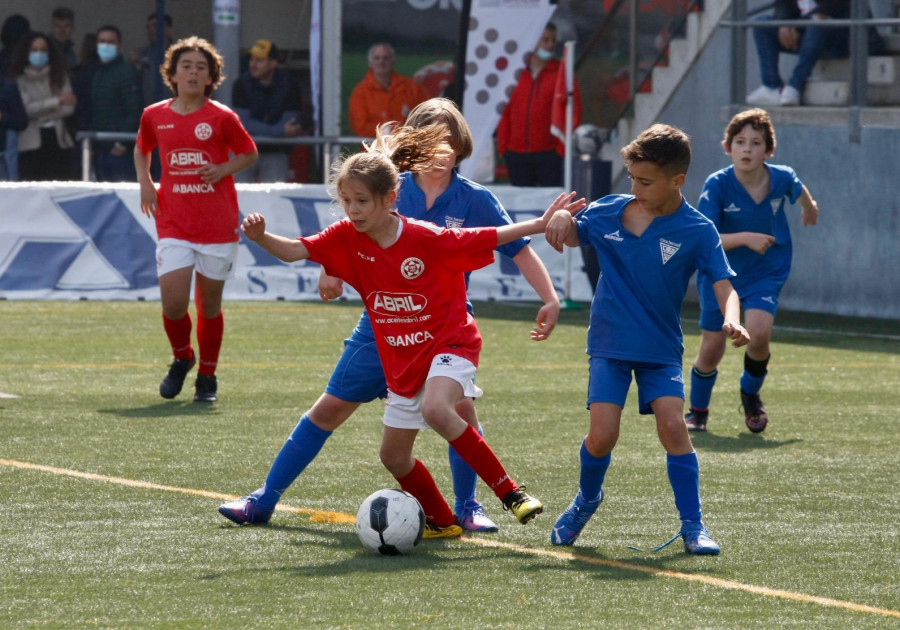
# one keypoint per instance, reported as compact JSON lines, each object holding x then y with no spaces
{"x":649,"y":244}
{"x":746,"y":201}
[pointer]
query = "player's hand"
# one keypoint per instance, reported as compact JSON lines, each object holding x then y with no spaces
{"x":558,"y":229}
{"x":737,"y":333}
{"x":212,"y":173}
{"x":330,"y":288}
{"x":546,"y":321}
{"x":810,"y":215}
{"x":149,"y":200}
{"x":760,"y":243}
{"x":254,"y":226}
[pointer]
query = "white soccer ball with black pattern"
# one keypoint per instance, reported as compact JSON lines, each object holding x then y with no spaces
{"x":390,"y":522}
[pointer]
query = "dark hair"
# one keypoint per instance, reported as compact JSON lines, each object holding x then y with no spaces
{"x":759,"y":120}
{"x":113,"y":28}
{"x":193,"y":44}
{"x":59,"y":71}
{"x":167,"y":19}
{"x":14,"y":28}
{"x":63,"y":13}
{"x":667,"y":147}
{"x":443,"y":111}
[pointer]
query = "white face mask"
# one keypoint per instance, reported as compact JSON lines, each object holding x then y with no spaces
{"x":544,"y":55}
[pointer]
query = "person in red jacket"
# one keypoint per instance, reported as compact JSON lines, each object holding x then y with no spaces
{"x":383,"y":95}
{"x":533,"y":155}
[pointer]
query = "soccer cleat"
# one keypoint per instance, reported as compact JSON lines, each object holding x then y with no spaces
{"x":171,"y":385}
{"x":697,"y":540}
{"x":475,"y":520}
{"x":436,"y":531}
{"x":754,"y":413}
{"x":245,"y":510}
{"x":206,"y":387}
{"x":569,"y":525}
{"x":523,"y":506}
{"x":764,"y":96}
{"x":696,"y":420}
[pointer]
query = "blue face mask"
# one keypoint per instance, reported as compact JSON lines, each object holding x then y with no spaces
{"x":38,"y":58}
{"x":107,"y":52}
{"x":546,"y":55}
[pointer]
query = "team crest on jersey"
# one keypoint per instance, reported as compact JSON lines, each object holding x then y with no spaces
{"x":203,"y":131}
{"x":412,"y":268}
{"x":453,"y":222}
{"x":668,"y":249}
{"x":776,"y":204}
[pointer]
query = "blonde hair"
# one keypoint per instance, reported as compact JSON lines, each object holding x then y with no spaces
{"x":443,"y":110}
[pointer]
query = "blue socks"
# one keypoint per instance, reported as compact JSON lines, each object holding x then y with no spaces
{"x":593,"y":472}
{"x":684,"y":475}
{"x":702,"y":384}
{"x":464,"y":479}
{"x":301,"y":447}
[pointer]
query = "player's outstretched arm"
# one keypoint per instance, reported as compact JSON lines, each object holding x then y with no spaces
{"x":730,"y":305}
{"x":564,"y":202}
{"x":534,"y":271}
{"x":286,"y":249}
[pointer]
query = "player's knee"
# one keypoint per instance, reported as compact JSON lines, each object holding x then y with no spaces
{"x":600,"y":443}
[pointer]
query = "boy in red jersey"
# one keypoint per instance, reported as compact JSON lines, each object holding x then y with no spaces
{"x":196,"y":207}
{"x":411,"y":275}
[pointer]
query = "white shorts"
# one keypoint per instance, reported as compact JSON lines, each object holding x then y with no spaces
{"x":215,"y":260}
{"x":406,"y":413}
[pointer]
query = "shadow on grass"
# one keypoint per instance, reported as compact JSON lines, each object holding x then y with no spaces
{"x":164,"y":410}
{"x":737,"y":443}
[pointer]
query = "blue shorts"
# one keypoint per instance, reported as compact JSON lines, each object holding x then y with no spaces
{"x":358,"y":375}
{"x":610,"y":379}
{"x":761,"y":294}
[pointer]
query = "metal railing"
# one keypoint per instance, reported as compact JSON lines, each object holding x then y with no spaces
{"x":330,"y":146}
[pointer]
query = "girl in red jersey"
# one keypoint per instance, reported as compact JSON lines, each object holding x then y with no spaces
{"x":411,"y":275}
{"x":195,"y":208}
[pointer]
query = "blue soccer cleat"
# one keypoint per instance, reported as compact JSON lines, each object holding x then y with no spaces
{"x":245,"y":510}
{"x":474,"y":519}
{"x":568,"y":527}
{"x":697,"y":540}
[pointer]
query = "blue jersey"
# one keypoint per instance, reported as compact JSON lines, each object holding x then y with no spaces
{"x":726,"y":203}
{"x":636,"y":312}
{"x":463,"y":204}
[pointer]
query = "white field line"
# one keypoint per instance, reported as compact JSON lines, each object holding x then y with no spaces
{"x":340,"y":517}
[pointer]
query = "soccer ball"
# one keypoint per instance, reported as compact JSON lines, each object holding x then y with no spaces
{"x":589,"y":139}
{"x":390,"y":522}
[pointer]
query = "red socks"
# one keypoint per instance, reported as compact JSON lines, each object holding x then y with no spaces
{"x":179,"y":333}
{"x":477,"y":454}
{"x":209,"y":338}
{"x":419,"y":483}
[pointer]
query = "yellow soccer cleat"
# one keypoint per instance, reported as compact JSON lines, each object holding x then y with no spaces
{"x":523,"y":506}
{"x":436,"y":531}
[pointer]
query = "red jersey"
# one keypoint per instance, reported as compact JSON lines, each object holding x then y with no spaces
{"x":191,"y":209}
{"x":414,"y":291}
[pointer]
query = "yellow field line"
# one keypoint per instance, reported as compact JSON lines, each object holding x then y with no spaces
{"x":321,"y":516}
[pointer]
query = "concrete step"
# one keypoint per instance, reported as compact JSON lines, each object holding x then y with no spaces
{"x":837,"y":93}
{"x":882,"y":70}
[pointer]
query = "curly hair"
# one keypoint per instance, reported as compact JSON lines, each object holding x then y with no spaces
{"x":193,"y":44}
{"x":759,"y":120}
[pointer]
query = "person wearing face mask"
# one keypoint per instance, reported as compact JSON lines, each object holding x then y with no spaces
{"x":533,"y":156}
{"x":116,"y":106}
{"x":45,"y":146}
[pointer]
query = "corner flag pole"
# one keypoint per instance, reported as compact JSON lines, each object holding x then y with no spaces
{"x":569,"y":60}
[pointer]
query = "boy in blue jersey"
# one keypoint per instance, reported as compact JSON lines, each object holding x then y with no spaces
{"x":448,"y":200}
{"x":649,"y":244}
{"x":746,"y":202}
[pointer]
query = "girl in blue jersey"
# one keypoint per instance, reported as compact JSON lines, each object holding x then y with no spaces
{"x":746,"y":202}
{"x":442,"y":197}
{"x":649,"y":244}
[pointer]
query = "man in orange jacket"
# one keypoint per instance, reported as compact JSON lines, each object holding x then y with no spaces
{"x":383,"y":95}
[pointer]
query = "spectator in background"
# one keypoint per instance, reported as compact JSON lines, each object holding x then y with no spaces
{"x":533,"y":155}
{"x":45,"y":145}
{"x":14,"y":27}
{"x":268,"y":101}
{"x":148,"y":59}
{"x":82,"y":79}
{"x":115,"y":106}
{"x":383,"y":95}
{"x":12,"y":117}
{"x":61,"y":34}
